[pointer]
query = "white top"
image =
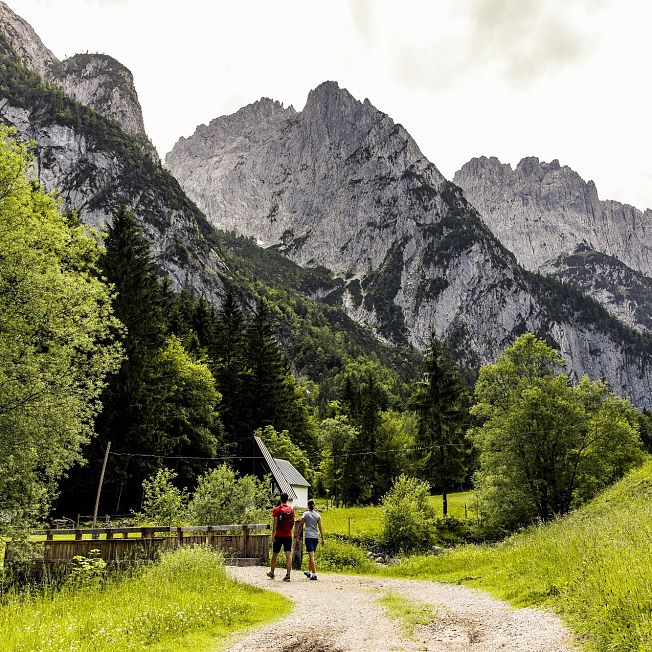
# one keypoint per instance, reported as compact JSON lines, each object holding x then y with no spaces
{"x":310,"y":520}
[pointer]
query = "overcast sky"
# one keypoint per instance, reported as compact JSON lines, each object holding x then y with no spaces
{"x":565,"y":79}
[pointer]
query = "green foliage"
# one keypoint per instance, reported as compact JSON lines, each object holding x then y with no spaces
{"x":163,"y":503}
{"x":440,"y":404}
{"x":224,"y":498}
{"x":546,"y":445}
{"x":335,"y":434}
{"x":57,"y":339}
{"x":183,"y":412}
{"x":186,"y":601}
{"x":369,"y":464}
{"x":591,"y":566}
{"x":162,"y":401}
{"x":87,"y":572}
{"x":408,"y":518}
{"x":339,"y":556}
{"x":281,"y":446}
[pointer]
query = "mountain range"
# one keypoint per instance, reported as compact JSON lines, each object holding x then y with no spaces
{"x":345,"y":195}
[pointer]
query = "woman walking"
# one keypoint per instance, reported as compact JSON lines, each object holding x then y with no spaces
{"x":311,"y":520}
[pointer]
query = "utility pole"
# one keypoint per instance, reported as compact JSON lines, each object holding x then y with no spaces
{"x":99,"y":486}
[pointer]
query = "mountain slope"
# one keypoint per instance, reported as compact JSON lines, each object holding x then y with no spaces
{"x":625,"y":293}
{"x":96,"y":167}
{"x":340,"y":185}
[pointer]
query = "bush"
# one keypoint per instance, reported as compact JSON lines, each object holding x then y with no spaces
{"x":339,"y":556}
{"x":224,"y":498}
{"x":163,"y":504}
{"x":408,"y":517}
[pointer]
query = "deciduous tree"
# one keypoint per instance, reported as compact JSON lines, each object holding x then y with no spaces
{"x":57,"y":339}
{"x":544,"y":444}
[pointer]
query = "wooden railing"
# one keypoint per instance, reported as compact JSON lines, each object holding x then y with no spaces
{"x":239,"y":543}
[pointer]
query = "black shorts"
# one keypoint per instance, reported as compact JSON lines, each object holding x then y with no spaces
{"x":311,"y":544}
{"x":286,"y":542}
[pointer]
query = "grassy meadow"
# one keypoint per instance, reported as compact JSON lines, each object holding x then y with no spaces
{"x":365,"y":524}
{"x":186,"y":601}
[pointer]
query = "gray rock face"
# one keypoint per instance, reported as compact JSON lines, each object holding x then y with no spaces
{"x":95,"y":80}
{"x":540,"y":211}
{"x":341,"y":185}
{"x":94,"y":181}
{"x":626,"y":294}
{"x":25,"y":41}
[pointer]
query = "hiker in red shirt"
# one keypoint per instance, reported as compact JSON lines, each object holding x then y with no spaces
{"x":282,"y":535}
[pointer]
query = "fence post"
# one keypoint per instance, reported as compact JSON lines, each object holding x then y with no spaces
{"x":245,"y":540}
{"x":297,"y":548}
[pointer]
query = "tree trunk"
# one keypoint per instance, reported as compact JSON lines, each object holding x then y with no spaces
{"x":444,"y":501}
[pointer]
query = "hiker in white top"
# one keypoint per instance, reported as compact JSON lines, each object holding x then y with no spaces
{"x":312,"y":522}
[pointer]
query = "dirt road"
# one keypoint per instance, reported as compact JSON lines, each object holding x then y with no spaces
{"x":340,"y":613}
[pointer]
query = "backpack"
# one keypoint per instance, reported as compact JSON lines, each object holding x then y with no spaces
{"x":285,"y":517}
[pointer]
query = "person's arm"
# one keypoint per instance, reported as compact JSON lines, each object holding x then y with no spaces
{"x":321,"y":531}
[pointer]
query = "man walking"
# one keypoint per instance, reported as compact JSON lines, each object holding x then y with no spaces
{"x":312,"y":521}
{"x":282,"y":535}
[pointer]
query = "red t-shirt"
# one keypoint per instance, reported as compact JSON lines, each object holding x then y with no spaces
{"x":285,"y":524}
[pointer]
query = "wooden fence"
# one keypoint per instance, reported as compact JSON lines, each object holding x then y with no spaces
{"x":239,"y":544}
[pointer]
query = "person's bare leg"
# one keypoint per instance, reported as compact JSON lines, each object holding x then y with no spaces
{"x":311,"y":563}
{"x":288,"y":556}
{"x":273,"y":564}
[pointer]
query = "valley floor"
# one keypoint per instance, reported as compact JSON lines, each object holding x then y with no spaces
{"x":342,"y":613}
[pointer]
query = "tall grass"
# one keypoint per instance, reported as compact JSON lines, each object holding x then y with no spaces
{"x":594,"y":567}
{"x":186,"y":601}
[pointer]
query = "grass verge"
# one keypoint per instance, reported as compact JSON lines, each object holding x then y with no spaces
{"x":594,"y":567}
{"x":408,"y":612}
{"x":186,"y":601}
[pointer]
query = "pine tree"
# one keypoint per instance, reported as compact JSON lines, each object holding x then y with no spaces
{"x":367,"y":469}
{"x":439,"y":402}
{"x":140,"y":304}
{"x":227,"y":351}
{"x":264,"y":385}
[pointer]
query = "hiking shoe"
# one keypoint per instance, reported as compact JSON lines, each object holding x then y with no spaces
{"x":307,"y":574}
{"x":270,"y":575}
{"x":286,"y":578}
{"x":314,"y":577}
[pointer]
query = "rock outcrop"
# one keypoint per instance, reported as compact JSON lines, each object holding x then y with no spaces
{"x":625,"y":293}
{"x":540,"y":211}
{"x":95,"y":80}
{"x":339,"y":184}
{"x":96,"y":167}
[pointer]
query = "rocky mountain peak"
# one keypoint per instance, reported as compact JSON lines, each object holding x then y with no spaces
{"x":96,"y":80}
{"x":104,"y":84}
{"x":25,"y":41}
{"x":542,"y":210}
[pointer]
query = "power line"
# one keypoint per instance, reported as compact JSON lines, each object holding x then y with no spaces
{"x":258,"y":457}
{"x":185,"y":457}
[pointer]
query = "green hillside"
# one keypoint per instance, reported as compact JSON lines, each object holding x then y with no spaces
{"x":593,"y":567}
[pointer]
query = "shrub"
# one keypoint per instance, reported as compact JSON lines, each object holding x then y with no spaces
{"x":339,"y":556}
{"x":408,"y":516}
{"x":163,"y":504}
{"x":224,"y":498}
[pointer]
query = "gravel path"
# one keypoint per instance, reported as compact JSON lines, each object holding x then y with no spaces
{"x":340,"y":613}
